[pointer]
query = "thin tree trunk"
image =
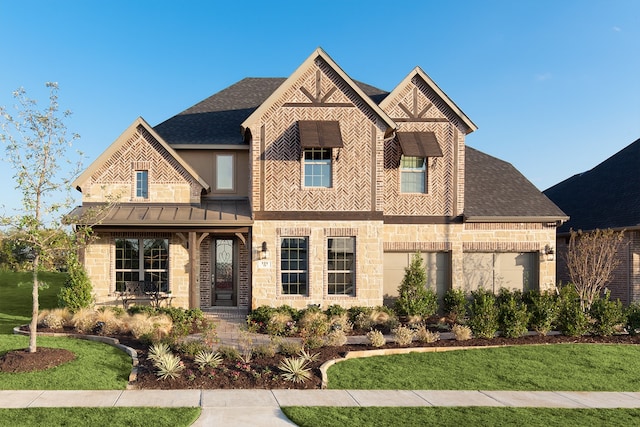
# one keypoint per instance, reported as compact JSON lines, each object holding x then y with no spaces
{"x":33,"y":333}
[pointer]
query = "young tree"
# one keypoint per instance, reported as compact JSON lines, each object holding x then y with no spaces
{"x":36,"y":143}
{"x":591,"y":260}
{"x":414,"y":298}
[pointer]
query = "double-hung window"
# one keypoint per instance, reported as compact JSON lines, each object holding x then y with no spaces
{"x":341,"y":265}
{"x":142,"y":184}
{"x":317,"y":167}
{"x":142,"y":260}
{"x":294,"y":262}
{"x":412,"y":174}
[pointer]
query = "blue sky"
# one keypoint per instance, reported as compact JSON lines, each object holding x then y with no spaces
{"x":553,"y":86}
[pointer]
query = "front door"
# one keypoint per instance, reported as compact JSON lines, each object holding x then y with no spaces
{"x":223,"y":280}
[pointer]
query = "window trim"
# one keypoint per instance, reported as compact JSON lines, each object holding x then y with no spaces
{"x":217,"y":171}
{"x":141,"y":270}
{"x":306,"y":162}
{"x":282,"y":271}
{"x":141,"y":185}
{"x":406,"y":170}
{"x":351,"y":271}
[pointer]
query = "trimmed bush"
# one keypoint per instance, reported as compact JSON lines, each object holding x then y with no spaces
{"x":571,"y":321}
{"x":77,"y":290}
{"x":483,"y":319}
{"x":455,"y":305}
{"x":606,"y":315}
{"x":543,"y":307}
{"x":632,"y":314}
{"x":513,"y":317}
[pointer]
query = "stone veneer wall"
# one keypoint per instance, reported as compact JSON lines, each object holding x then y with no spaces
{"x":99,"y":261}
{"x":368,"y":268}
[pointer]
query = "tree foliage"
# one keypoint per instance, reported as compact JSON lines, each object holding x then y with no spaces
{"x":414,"y":296}
{"x":36,"y":142}
{"x":591,"y":260}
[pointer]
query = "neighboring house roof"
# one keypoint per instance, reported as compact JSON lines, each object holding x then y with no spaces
{"x":216,"y":213}
{"x":433,"y":86}
{"x":117,"y":144}
{"x":496,"y":191}
{"x":607,"y":196}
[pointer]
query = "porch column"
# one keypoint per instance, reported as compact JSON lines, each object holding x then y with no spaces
{"x":194,"y":271}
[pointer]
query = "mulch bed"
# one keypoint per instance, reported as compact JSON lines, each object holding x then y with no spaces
{"x":263,"y":372}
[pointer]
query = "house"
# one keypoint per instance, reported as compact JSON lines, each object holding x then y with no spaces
{"x":607,"y":196}
{"x":312,"y":189}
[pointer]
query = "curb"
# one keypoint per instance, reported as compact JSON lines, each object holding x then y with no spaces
{"x":114,"y":342}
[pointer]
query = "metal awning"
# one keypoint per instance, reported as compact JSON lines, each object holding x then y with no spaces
{"x":215,"y":213}
{"x":320,"y":134}
{"x":419,"y":144}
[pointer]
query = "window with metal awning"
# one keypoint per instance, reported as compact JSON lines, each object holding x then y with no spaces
{"x":317,"y":140}
{"x":416,"y":147}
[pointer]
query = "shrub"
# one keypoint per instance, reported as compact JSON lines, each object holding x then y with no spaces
{"x":461,"y":332}
{"x":336,"y":338}
{"x":108,"y":322}
{"x":335,"y":310}
{"x":607,"y":315}
{"x":356,"y":311}
{"x":228,"y":352}
{"x":414,"y":297}
{"x":295,"y":369}
{"x":76,"y":292}
{"x":309,"y":357}
{"x":455,"y":305}
{"x":281,"y":324}
{"x":483,"y":318}
{"x":157,"y":350}
{"x":364,"y":321}
{"x":83,"y":320}
{"x":55,"y":319}
{"x":265,"y":350}
{"x":168,"y":366}
{"x":425,"y":335}
{"x":313,"y":323}
{"x":571,"y":320}
{"x":403,"y":336}
{"x":543,"y":307}
{"x":290,"y":348}
{"x":207,"y":359}
{"x":261,"y":315}
{"x":192,"y":347}
{"x":340,"y":322}
{"x":375,"y":338}
{"x":513,"y":317}
{"x":632,"y":314}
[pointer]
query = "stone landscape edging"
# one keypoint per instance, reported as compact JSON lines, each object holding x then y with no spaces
{"x":114,"y":342}
{"x":357,"y":354}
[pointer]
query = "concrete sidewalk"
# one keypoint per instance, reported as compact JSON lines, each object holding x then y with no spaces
{"x":262,"y":407}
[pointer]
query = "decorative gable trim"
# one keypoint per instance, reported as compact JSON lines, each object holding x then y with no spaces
{"x":416,"y":114}
{"x":138,"y":129}
{"x":316,"y":98}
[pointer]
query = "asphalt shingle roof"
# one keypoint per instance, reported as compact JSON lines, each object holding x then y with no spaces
{"x":494,"y":188}
{"x":607,"y":196}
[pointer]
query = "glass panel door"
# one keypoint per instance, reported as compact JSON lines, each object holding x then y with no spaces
{"x":223,"y":283}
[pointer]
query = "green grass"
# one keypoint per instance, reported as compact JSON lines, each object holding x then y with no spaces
{"x":113,"y":417}
{"x":15,"y":301}
{"x":577,"y":367}
{"x":472,"y":416}
{"x":97,"y":366}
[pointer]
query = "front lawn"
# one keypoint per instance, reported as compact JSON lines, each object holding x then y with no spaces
{"x":113,"y":417}
{"x":577,"y":367}
{"x":472,"y":416}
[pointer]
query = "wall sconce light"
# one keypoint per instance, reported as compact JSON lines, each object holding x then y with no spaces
{"x":264,"y":252}
{"x":548,"y":252}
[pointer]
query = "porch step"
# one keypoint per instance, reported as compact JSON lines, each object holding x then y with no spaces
{"x":227,"y":313}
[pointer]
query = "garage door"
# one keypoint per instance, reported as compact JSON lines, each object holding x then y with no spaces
{"x":437,"y":266}
{"x":511,"y":270}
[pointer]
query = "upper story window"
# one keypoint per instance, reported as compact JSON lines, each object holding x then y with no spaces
{"x":416,"y":148}
{"x":412,"y":174}
{"x":317,"y":167}
{"x":224,"y":172}
{"x":318,"y":139}
{"x":294,"y":265}
{"x":142,"y":184}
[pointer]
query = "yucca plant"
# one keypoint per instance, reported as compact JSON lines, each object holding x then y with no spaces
{"x":309,"y":357}
{"x":295,"y":369}
{"x":169,"y":366}
{"x":158,"y":350}
{"x":207,"y":358}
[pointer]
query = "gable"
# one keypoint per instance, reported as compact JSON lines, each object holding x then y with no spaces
{"x":139,"y":148}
